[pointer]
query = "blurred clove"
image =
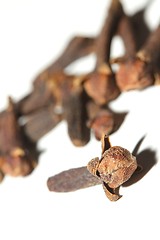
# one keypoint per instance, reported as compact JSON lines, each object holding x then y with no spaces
{"x":18,"y":155}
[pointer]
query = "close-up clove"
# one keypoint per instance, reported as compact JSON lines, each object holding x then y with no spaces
{"x":83,"y":101}
{"x":115,"y":167}
{"x":79,"y":122}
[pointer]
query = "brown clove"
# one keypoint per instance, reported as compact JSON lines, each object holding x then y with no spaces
{"x":100,"y":85}
{"x":115,"y":167}
{"x":18,"y":155}
{"x":138,"y":72}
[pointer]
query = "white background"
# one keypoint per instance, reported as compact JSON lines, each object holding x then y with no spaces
{"x":32,"y":34}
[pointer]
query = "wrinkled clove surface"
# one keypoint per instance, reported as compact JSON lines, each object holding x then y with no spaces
{"x":72,"y":180}
{"x":114,"y":168}
{"x":138,"y":72}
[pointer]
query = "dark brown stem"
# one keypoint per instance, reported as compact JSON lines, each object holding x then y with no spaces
{"x":103,"y":42}
{"x":150,"y":52}
{"x":75,"y":113}
{"x":78,"y":47}
{"x":126,"y":33}
{"x":140,"y":27}
{"x":72,"y":180}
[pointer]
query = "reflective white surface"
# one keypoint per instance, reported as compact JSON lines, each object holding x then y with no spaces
{"x":33,"y":33}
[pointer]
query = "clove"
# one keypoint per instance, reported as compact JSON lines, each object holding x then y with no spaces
{"x":115,"y":167}
{"x":138,"y":72}
{"x":18,"y":155}
{"x":100,"y":85}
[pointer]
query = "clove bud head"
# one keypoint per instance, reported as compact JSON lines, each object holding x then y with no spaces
{"x":16,"y":163}
{"x":115,"y":167}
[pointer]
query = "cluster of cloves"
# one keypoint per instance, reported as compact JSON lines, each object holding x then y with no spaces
{"x":81,"y":100}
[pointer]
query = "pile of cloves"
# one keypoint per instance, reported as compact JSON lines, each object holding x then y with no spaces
{"x":82,"y":100}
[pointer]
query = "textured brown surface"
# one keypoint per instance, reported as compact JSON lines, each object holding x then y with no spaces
{"x":72,"y":180}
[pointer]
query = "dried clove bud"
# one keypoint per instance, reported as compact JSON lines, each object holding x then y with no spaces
{"x":100,"y":84}
{"x":138,"y":72}
{"x":114,"y":168}
{"x":18,"y":155}
{"x":134,"y":74}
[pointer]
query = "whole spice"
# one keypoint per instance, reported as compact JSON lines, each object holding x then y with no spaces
{"x":114,"y":168}
{"x":100,"y":84}
{"x":138,"y":73}
{"x":18,"y":155}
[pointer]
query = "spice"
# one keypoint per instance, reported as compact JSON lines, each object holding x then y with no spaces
{"x":138,"y":73}
{"x":18,"y":155}
{"x":47,"y":82}
{"x":83,"y":102}
{"x":115,"y":167}
{"x":100,"y":84}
